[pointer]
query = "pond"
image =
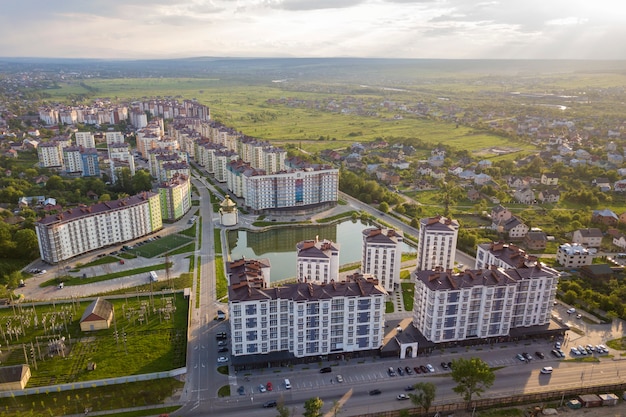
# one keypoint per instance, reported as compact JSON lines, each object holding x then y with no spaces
{"x":279,"y":245}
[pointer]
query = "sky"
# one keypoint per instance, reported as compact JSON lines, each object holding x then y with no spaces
{"x":441,"y":29}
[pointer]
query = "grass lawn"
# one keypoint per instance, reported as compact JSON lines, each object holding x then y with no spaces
{"x":152,"y":337}
{"x":111,"y":397}
{"x":408,"y":290}
{"x":389,"y":307}
{"x":160,"y":246}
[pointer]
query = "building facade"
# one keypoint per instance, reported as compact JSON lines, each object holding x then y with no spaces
{"x":175,"y":197}
{"x":79,"y":230}
{"x":317,"y":261}
{"x":305,"y":319}
{"x":573,"y":255}
{"x":382,"y":256}
{"x":437,"y":243}
{"x":482,"y":304}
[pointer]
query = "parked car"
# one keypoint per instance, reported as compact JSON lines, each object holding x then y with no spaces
{"x":574,"y":351}
{"x":402,"y":397}
{"x":221,"y":336}
{"x":581,"y":349}
{"x":221,"y":343}
{"x":561,"y":353}
{"x":375,"y":392}
{"x":408,"y":370}
{"x":400,"y":371}
{"x":241,"y":390}
{"x":444,"y":365}
{"x":222,"y":349}
{"x":268,"y":386}
{"x":539,"y":355}
{"x":430,"y":368}
{"x":571,"y":310}
{"x":326,"y":370}
{"x":222,"y":359}
{"x":221,"y":315}
{"x":520,"y":357}
{"x":391,"y":371}
{"x":546,"y":370}
{"x":527,"y":356}
{"x":270,"y":404}
{"x":424,"y":369}
{"x":417,"y":369}
{"x":555,"y":353}
{"x":557,"y":345}
{"x":262,"y":388}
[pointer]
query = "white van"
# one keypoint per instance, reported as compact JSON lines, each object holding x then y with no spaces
{"x":287,"y":384}
{"x":546,"y":370}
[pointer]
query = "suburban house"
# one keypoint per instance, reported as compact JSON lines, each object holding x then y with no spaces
{"x":620,"y":241}
{"x":573,"y":255}
{"x":514,"y":228}
{"x":590,"y":237}
{"x":602,"y":183}
{"x":605,"y":216}
{"x":597,"y":272}
{"x":551,"y":195}
{"x":97,"y":316}
{"x":549,"y":179}
{"x":499,"y":213}
{"x":524,"y":196}
{"x":536,"y":240}
{"x":14,"y":378}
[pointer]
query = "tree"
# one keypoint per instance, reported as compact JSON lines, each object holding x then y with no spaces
{"x":26,"y":244}
{"x":424,"y":395}
{"x":384,"y":207}
{"x":312,"y":407}
{"x":473,"y":376}
{"x":55,"y":182}
{"x":142,"y":181}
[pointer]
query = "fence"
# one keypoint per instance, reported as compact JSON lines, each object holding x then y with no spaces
{"x":93,"y":383}
{"x":509,"y":400}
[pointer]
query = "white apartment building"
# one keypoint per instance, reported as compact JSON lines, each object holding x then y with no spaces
{"x":437,"y":243}
{"x":85,"y":139}
{"x":72,"y":160}
{"x":573,"y":255}
{"x":317,"y":261}
{"x":305,"y":319}
{"x":382,"y":256}
{"x":293,"y":188}
{"x":479,"y":304}
{"x":50,"y":155}
{"x":82,"y":229}
{"x":114,"y":137}
{"x":502,"y":255}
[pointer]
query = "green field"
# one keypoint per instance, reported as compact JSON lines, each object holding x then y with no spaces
{"x":152,"y":337}
{"x":246,"y":108}
{"x":160,"y":246}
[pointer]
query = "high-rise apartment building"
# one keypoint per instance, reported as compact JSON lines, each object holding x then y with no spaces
{"x":317,"y":261}
{"x":382,"y":256}
{"x":437,"y":243}
{"x":483,"y":303}
{"x":79,"y":230}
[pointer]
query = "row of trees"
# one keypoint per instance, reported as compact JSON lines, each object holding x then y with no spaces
{"x":473,"y":376}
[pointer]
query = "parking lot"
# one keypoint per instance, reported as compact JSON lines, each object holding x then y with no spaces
{"x":368,"y":371}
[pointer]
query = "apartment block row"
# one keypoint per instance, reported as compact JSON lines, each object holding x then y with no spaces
{"x":82,"y":229}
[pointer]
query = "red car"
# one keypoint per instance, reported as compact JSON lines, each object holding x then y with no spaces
{"x":269,"y":386}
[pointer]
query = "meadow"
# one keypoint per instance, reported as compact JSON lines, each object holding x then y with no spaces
{"x":148,"y":334}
